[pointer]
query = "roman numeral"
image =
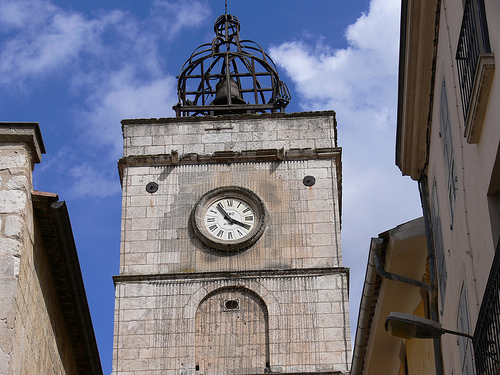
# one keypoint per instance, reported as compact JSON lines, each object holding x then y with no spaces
{"x":215,"y":212}
{"x":246,"y":210}
{"x":212,"y":227}
{"x":229,"y":236}
{"x":229,"y":203}
{"x":220,"y":233}
{"x":248,"y":218}
{"x":210,"y":219}
{"x":239,"y":232}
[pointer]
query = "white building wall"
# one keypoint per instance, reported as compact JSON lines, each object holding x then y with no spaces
{"x":471,"y":236}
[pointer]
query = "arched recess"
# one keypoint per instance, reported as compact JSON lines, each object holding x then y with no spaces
{"x":232,"y":333}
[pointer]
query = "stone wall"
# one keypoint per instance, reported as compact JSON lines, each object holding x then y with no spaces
{"x":307,"y":327}
{"x":290,"y":286}
{"x":16,"y":235}
{"x":33,"y":336}
{"x":206,"y":135}
{"x":303,"y":229}
{"x":41,"y":343}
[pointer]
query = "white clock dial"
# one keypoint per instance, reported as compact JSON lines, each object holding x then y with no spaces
{"x":229,"y":218}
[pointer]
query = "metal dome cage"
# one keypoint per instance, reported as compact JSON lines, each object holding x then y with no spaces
{"x":229,"y":76}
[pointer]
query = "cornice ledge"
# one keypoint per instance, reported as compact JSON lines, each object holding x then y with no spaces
{"x":24,"y":132}
{"x":229,"y":157}
{"x":231,"y":117}
{"x":232,"y":275}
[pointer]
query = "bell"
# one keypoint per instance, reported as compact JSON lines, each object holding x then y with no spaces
{"x":221,"y":93}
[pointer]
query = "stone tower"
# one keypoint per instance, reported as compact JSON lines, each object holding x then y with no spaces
{"x":230,"y":252}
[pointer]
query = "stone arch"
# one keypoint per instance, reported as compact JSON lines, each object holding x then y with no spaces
{"x":232,"y":332}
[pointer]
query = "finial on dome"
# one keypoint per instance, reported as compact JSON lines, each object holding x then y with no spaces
{"x":229,"y":76}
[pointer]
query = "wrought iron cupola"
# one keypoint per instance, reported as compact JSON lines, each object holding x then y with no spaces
{"x":229,"y":76}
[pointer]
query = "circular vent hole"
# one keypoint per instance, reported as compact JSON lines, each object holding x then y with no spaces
{"x":309,"y":180}
{"x":152,"y":187}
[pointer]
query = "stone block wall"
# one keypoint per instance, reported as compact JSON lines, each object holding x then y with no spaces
{"x":16,"y":234}
{"x":303,"y":230}
{"x":290,"y":286}
{"x":40,"y":343}
{"x":32,"y":329}
{"x":306,"y":324}
{"x":206,"y":135}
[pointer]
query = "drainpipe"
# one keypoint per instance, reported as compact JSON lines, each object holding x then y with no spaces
{"x":392,"y":276}
{"x":431,"y":260}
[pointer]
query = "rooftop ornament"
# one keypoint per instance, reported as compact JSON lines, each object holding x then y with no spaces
{"x":229,"y":76}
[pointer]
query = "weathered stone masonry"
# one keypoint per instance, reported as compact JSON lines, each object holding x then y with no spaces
{"x":171,"y":288}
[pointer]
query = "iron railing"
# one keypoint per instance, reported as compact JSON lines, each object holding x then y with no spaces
{"x":487,"y":333}
{"x":472,"y":42}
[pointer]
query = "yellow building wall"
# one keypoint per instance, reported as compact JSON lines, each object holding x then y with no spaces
{"x":420,"y":352}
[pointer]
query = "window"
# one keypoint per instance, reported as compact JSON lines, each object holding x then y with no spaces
{"x":449,"y":158}
{"x":486,"y":337}
{"x":438,"y":245}
{"x":464,"y":344}
{"x":473,"y":41}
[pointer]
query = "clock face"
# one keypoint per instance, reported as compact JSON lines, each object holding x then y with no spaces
{"x":229,"y":218}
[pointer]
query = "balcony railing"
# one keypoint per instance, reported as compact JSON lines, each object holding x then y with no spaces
{"x":487,"y":333}
{"x":473,"y":42}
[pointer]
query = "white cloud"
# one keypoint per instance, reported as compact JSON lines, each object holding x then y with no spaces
{"x":49,"y":40}
{"x":16,"y":14}
{"x":76,"y":178}
{"x":40,"y":39}
{"x":108,"y":62}
{"x":360,"y":76}
{"x":124,"y":95}
{"x":373,"y":31}
{"x":173,"y":17}
{"x":89,"y":181}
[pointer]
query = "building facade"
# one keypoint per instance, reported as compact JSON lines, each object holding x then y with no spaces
{"x":230,"y":254}
{"x":448,"y":140}
{"x":395,"y":257}
{"x":45,"y":320}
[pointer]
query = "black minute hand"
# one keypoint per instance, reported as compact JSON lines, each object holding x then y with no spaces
{"x":224,"y":213}
{"x":230,"y":219}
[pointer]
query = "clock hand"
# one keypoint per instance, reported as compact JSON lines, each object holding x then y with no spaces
{"x":230,"y":219}
{"x":246,"y":226}
{"x":224,"y":213}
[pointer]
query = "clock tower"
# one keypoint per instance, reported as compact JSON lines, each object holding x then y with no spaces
{"x":230,"y":252}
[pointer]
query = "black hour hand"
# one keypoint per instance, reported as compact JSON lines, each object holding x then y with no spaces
{"x":243,"y":225}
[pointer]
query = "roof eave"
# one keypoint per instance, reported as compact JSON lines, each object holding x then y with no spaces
{"x":58,"y":236}
{"x":417,"y":46}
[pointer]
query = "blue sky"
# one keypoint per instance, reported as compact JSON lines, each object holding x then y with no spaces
{"x":79,"y":67}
